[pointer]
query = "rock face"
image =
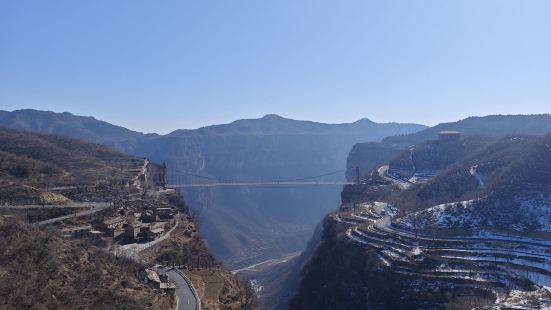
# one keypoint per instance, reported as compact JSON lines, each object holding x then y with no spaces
{"x":343,"y":276}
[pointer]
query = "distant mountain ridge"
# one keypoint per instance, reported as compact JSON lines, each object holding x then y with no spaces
{"x":490,"y":126}
{"x":273,"y":124}
{"x":91,"y":129}
{"x":86,"y":128}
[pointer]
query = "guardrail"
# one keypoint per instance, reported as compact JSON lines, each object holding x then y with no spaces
{"x":193,"y":291}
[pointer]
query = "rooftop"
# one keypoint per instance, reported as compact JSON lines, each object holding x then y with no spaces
{"x":114,"y":220}
{"x":153,"y":276}
{"x":157,"y":230}
{"x":167,"y":285}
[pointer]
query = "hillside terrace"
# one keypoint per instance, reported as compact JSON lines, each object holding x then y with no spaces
{"x":501,"y":265}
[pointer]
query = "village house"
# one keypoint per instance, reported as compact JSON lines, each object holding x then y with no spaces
{"x":157,"y":232}
{"x":77,"y":232}
{"x":165,"y":213}
{"x":148,"y":217}
{"x":131,"y":232}
{"x":146,"y":234}
{"x":111,"y":226}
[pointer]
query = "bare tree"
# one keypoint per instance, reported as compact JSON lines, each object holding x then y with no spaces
{"x":247,"y":297}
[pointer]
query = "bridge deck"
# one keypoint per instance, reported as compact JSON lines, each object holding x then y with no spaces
{"x":215,"y":184}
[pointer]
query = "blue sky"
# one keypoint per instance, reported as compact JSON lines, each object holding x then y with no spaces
{"x":156,"y":66}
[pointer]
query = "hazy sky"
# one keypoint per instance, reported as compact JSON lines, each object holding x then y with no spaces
{"x":162,"y":65}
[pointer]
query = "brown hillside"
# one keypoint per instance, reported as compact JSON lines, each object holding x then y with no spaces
{"x":40,"y":270}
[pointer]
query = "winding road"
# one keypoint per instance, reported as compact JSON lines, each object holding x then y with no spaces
{"x":96,"y":207}
{"x":383,"y":172}
{"x":69,"y":205}
{"x":186,"y":295}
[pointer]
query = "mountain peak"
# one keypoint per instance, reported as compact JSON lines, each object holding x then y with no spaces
{"x":272,"y":117}
{"x":364,"y":120}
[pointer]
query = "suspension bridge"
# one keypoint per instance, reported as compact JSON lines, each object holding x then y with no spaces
{"x":207,"y":181}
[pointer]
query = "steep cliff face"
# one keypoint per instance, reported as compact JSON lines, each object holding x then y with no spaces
{"x":342,"y":276}
{"x":279,"y":281}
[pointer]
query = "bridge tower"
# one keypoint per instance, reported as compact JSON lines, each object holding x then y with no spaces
{"x":357,"y":175}
{"x":165,"y":176}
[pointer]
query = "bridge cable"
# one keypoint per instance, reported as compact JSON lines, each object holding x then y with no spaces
{"x":257,"y":181}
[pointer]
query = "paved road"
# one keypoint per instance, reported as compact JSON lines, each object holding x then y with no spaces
{"x":68,"y":205}
{"x":268,"y":262}
{"x":184,"y":291}
{"x":97,"y":206}
{"x":61,"y":188}
{"x":383,"y":172}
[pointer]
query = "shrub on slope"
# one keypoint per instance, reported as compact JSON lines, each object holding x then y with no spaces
{"x":40,"y":270}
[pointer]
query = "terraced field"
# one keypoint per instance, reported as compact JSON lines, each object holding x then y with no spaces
{"x":516,"y":270}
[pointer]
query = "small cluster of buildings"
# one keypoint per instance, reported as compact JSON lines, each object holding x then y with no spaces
{"x":136,"y":232}
{"x":129,"y":226}
{"x":137,"y":218}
